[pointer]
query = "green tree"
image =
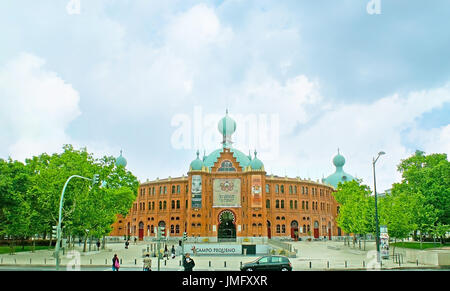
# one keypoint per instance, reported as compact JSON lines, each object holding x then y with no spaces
{"x":357,"y":208}
{"x":426,"y":178}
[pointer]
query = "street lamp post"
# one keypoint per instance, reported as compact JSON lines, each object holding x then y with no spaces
{"x":58,"y":232}
{"x":377,"y":229}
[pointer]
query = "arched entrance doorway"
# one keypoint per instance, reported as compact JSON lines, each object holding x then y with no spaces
{"x":227,"y":226}
{"x":316,"y":229}
{"x":294,"y":229}
{"x":141,"y":230}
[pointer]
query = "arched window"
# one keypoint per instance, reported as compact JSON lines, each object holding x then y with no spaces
{"x":303,"y":204}
{"x":173,"y":204}
{"x":282,"y":203}
{"x":283,"y":228}
{"x":267,"y":203}
{"x":178,"y":204}
{"x":304,"y":228}
{"x":295,"y":204}
{"x":172,"y":229}
{"x":267,"y":188}
{"x":160,"y":204}
{"x":290,"y":189}
{"x":277,"y":203}
{"x":291,"y":204}
{"x":278,"y":228}
{"x":173,"y":189}
{"x":277,"y":188}
{"x":177,"y":228}
{"x":282,"y":188}
{"x":226,"y":166}
{"x":164,"y":204}
{"x":306,"y":205}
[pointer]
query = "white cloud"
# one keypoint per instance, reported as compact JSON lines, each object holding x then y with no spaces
{"x":37,"y":106}
{"x":361,"y":131}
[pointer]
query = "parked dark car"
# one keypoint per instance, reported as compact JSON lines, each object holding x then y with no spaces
{"x":268,"y":263}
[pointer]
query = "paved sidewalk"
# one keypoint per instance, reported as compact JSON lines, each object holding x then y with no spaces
{"x":316,"y":255}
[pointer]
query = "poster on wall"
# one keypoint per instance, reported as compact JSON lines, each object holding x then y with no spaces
{"x":256,"y":192}
{"x":196,"y":191}
{"x":227,"y":193}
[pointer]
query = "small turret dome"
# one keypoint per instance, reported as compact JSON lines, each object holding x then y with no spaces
{"x":256,"y":163}
{"x":197,"y":164}
{"x":121,"y":161}
{"x":339,"y":160}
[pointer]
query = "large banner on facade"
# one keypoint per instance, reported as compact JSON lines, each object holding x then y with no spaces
{"x":227,"y":193}
{"x":256,"y":200}
{"x":196,"y":191}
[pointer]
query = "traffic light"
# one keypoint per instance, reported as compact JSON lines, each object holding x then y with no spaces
{"x":95,"y":179}
{"x":184,"y":235}
{"x":54,"y":231}
{"x":161,"y":231}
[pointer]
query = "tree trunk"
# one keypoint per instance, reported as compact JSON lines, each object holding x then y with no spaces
{"x":364,"y":241}
{"x":85,"y":242}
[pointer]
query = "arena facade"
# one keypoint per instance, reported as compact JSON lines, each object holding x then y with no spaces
{"x":228,"y":196}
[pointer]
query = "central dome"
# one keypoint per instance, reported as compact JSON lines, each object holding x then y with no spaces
{"x":227,"y":126}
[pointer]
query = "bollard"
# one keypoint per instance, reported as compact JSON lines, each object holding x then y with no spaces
{"x":346,"y":264}
{"x":45,"y":261}
{"x":364,"y":264}
{"x":180,"y":263}
{"x":165,"y":262}
{"x":90,"y":261}
{"x":210,"y":264}
{"x":417,"y":262}
{"x":30,"y":261}
{"x":225,"y":264}
{"x":121,"y":261}
{"x":310,"y":265}
{"x":241,"y":264}
{"x":135,"y":261}
{"x":328,"y":264}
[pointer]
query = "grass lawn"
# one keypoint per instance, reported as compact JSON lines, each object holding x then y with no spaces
{"x":5,"y":249}
{"x":416,"y":245}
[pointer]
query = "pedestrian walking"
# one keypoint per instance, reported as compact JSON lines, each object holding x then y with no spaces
{"x":188,"y":263}
{"x":98,"y":245}
{"x":173,"y":252}
{"x":135,"y":241}
{"x":115,"y":263}
{"x":126,"y":244}
{"x":147,"y":263}
{"x":166,"y":252}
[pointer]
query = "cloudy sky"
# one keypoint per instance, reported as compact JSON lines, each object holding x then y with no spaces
{"x":153,"y":77}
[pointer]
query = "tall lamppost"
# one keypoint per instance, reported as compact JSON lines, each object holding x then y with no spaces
{"x":58,"y":232}
{"x":377,"y":229}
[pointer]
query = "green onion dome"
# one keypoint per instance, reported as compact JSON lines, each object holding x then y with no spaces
{"x":197,"y":164}
{"x":121,"y":161}
{"x":256,"y":163}
{"x":227,"y":126}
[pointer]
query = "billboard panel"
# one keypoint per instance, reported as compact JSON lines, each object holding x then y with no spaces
{"x":227,"y":193}
{"x":196,"y":191}
{"x":256,"y":200}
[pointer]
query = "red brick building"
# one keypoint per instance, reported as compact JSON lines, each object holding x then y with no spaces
{"x":228,"y":195}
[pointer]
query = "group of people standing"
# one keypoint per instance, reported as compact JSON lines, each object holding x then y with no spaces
{"x":188,"y":262}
